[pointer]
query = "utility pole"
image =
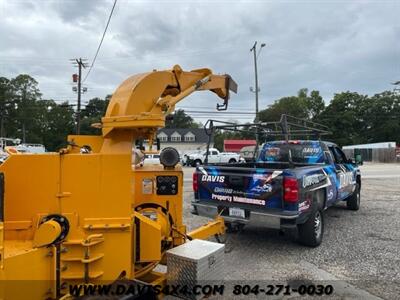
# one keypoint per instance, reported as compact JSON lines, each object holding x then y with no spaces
{"x":80,"y":63}
{"x":254,"y":49}
{"x":257,"y":89}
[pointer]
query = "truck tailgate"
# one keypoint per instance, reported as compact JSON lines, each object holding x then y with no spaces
{"x":247,"y":188}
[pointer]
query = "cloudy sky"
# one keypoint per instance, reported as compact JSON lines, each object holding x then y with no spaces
{"x":330,"y":46}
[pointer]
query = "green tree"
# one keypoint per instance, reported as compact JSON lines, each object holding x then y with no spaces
{"x":92,"y":113}
{"x":296,"y":106}
{"x":382,"y":118}
{"x":5,"y":104}
{"x":353,"y":118}
{"x":293,"y":106}
{"x":25,"y":94}
{"x":58,"y":124}
{"x":180,"y":120}
{"x":315,"y":104}
{"x":301,"y":106}
{"x":346,"y":118}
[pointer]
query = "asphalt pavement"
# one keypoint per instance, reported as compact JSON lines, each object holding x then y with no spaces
{"x":360,"y":253}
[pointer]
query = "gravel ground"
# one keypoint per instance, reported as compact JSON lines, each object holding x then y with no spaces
{"x":360,"y":251}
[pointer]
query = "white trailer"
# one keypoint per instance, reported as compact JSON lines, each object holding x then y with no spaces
{"x":384,"y":145}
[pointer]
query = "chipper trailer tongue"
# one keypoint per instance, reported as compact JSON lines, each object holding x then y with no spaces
{"x":87,"y":215}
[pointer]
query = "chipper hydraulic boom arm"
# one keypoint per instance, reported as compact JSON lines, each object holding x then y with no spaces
{"x":85,"y":214}
{"x":142,"y":102}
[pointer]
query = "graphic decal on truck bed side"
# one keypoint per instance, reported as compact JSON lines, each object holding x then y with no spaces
{"x":260,"y":188}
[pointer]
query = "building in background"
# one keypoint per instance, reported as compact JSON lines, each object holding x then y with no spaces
{"x":183,"y":139}
{"x":237,"y":145}
{"x":383,"y":145}
{"x":386,"y":152}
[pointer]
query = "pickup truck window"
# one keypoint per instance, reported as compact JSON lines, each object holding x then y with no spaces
{"x":340,"y":157}
{"x":307,"y":153}
{"x":214,"y":153}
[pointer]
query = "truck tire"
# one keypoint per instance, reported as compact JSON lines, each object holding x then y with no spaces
{"x":196,"y":163}
{"x":312,"y":231}
{"x":353,"y":202}
{"x":232,"y":161}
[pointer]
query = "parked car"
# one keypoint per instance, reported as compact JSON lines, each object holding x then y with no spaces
{"x":151,"y":159}
{"x":30,"y":148}
{"x":289,"y":186}
{"x":214,"y":156}
{"x":185,"y":156}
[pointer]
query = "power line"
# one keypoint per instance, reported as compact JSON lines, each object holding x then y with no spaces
{"x":61,"y":61}
{"x":101,"y":41}
{"x":219,"y":112}
{"x":184,"y":107}
{"x":163,"y":55}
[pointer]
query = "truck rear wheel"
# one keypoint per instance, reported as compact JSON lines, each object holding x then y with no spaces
{"x":312,"y":231}
{"x":353,"y":202}
{"x":232,"y":161}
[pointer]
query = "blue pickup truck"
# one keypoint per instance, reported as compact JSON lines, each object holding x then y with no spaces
{"x":290,"y":185}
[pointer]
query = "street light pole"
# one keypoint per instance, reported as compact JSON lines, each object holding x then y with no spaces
{"x":254,"y":49}
{"x":257,"y":89}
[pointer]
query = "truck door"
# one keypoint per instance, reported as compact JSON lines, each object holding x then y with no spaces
{"x":344,"y":174}
{"x":213,"y":157}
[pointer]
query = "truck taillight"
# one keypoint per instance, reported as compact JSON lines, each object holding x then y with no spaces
{"x":195,"y":182}
{"x":290,"y":190}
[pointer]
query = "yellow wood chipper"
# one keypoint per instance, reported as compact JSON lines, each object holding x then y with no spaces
{"x":87,"y":214}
